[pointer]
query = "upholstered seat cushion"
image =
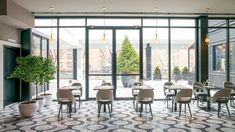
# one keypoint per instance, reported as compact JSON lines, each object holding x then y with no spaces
{"x":146,"y":100}
{"x":170,"y":94}
{"x":77,"y":93}
{"x":222,"y":100}
{"x":135,"y":93}
{"x":64,"y":101}
{"x":104,"y":101}
{"x":200,"y":93}
{"x":184,"y":100}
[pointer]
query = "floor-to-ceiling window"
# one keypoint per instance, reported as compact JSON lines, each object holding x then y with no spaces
{"x":217,"y":51}
{"x":46,"y":27}
{"x":155,"y":54}
{"x":183,"y":51}
{"x":232,"y":50}
{"x":72,"y":52}
{"x":175,"y":44}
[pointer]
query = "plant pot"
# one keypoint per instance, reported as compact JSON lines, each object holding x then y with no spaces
{"x":28,"y":109}
{"x":157,"y":77}
{"x":127,"y":81}
{"x":48,"y":98}
{"x":41,"y":102}
{"x":176,"y":77}
{"x":185,"y":76}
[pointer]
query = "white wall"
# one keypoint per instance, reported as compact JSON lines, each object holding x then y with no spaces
{"x":2,"y":44}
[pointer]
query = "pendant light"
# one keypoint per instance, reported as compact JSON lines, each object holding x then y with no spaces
{"x":51,"y":39}
{"x":156,"y":39}
{"x":104,"y":38}
{"x":207,"y":36}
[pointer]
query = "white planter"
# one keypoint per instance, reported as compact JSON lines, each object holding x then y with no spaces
{"x":48,"y":98}
{"x":41,"y":103}
{"x":28,"y":109}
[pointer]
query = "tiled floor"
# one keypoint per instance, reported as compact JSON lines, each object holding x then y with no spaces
{"x":123,"y":119}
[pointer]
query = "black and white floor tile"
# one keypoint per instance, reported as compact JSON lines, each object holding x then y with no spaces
{"x":124,"y":119}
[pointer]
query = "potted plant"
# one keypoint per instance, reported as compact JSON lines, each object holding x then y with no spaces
{"x":27,"y":71}
{"x":37,"y":80}
{"x":157,"y":74}
{"x":185,"y":73}
{"x":176,"y":73}
{"x":48,"y":71}
{"x":127,"y":62}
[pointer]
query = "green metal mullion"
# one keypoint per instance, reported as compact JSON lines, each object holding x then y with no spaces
{"x":169,"y":50}
{"x":197,"y":53}
{"x":87,"y":63}
{"x":58,"y":54}
{"x":141,"y":50}
{"x":228,"y":51}
{"x":114,"y":63}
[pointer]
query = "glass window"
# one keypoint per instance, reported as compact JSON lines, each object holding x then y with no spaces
{"x":72,"y":22}
{"x":183,"y":55}
{"x":45,"y":22}
{"x":232,"y":23}
{"x":72,"y":57}
{"x":216,"y":23}
{"x":155,"y":59}
{"x":232,"y":55}
{"x":35,"y":46}
{"x":219,"y":57}
{"x":182,"y":22}
{"x":52,"y":54}
{"x":152,"y":22}
{"x":114,"y":22}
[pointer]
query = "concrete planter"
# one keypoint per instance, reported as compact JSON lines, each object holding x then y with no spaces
{"x":48,"y":98}
{"x":41,"y":103}
{"x":157,"y":77}
{"x":28,"y":109}
{"x":127,"y":81}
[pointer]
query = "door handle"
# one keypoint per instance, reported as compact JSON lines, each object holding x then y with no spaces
{"x":7,"y":77}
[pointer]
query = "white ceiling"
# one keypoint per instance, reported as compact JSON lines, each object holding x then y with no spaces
{"x":140,"y":6}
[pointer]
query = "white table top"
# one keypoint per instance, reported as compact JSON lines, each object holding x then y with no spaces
{"x":142,"y":87}
{"x":71,"y":87}
{"x":103,"y":88}
{"x":176,"y":87}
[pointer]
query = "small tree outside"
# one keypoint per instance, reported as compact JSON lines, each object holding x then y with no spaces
{"x":185,"y":73}
{"x":127,"y":60}
{"x":176,"y":73}
{"x":157,"y":73}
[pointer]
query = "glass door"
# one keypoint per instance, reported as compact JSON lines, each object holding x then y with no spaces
{"x":100,"y":58}
{"x":127,"y":61}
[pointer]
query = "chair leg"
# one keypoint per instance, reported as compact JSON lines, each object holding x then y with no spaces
{"x":79,"y":98}
{"x":197,"y":102}
{"x":180,"y":110}
{"x":150,"y":110}
{"x":59,"y":110}
{"x":189,"y":110}
{"x":166,"y":101}
{"x":228,"y":109}
{"x":218,"y":109}
{"x":134,"y":101}
{"x":111,"y":107}
{"x":99,"y":105}
{"x":172,"y":106}
{"x":70,"y":110}
{"x":75,"y":105}
{"x":141,"y":109}
{"x":185,"y":108}
{"x":109,"y":110}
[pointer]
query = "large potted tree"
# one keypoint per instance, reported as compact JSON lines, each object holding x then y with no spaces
{"x":27,"y":71}
{"x":49,"y":70}
{"x":157,"y":74}
{"x":127,"y":62}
